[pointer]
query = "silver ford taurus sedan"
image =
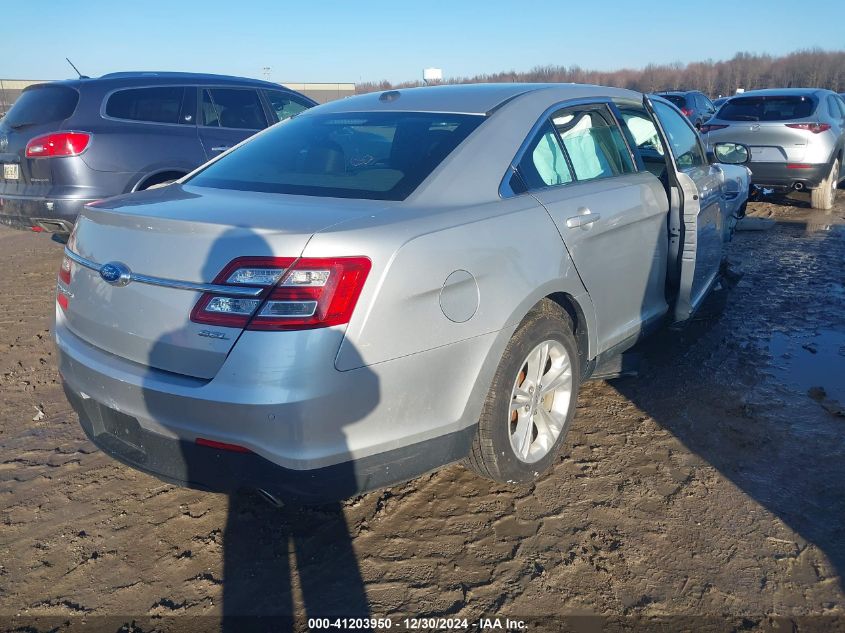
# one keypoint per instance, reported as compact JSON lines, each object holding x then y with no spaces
{"x":389,"y":283}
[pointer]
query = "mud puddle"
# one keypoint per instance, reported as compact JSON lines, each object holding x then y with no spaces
{"x":811,"y":362}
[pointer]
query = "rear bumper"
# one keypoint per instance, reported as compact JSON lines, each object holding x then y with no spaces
{"x":314,"y":433}
{"x":184,"y":463}
{"x":779,"y":176}
{"x":22,"y":212}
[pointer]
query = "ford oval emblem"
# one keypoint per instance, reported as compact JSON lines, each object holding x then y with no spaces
{"x":116,"y":273}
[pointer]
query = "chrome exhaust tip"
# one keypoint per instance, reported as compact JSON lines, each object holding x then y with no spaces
{"x":798,"y":186}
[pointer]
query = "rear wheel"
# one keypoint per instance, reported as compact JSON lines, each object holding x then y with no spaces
{"x":531,"y":401}
{"x":824,"y":195}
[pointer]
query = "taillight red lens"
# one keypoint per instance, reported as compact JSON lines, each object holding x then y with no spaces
{"x":297,"y":294}
{"x":815,"y":128}
{"x":58,"y":144}
{"x":709,"y":128}
{"x":317,"y":292}
{"x":686,"y":111}
{"x":63,"y":286}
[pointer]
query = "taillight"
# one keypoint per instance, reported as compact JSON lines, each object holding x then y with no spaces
{"x":710,"y":127}
{"x":815,"y":128}
{"x":297,"y":294}
{"x":63,"y":285}
{"x":686,"y":111}
{"x":58,"y":144}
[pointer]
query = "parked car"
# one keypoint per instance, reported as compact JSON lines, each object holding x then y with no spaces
{"x":387,"y":284}
{"x":694,"y":104}
{"x":66,"y":143}
{"x":718,"y":103}
{"x":796,"y":136}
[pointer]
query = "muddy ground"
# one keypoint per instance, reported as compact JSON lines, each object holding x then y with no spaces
{"x":711,"y":486}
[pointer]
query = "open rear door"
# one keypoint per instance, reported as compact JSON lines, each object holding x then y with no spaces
{"x":695,"y":214}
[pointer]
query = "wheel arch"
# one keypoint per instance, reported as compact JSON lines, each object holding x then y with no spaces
{"x":577,"y":305}
{"x":580,"y":326}
{"x":156,"y":177}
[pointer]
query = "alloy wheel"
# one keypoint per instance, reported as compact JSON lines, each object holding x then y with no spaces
{"x":540,"y":400}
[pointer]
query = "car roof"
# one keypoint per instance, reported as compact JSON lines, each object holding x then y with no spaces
{"x":780,"y":92}
{"x":154,"y":77}
{"x":477,"y":98}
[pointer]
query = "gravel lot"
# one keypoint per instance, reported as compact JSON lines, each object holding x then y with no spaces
{"x":708,"y":488}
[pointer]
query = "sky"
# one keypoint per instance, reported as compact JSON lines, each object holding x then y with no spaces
{"x":349,"y":41}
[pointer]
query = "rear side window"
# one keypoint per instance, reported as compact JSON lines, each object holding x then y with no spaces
{"x":678,"y":100}
{"x":774,"y":108}
{"x":593,"y":142}
{"x":544,"y":164}
{"x":42,"y":104}
{"x":162,"y":104}
{"x":835,"y":107}
{"x":285,"y":105}
{"x":232,"y":108}
{"x":371,"y":155}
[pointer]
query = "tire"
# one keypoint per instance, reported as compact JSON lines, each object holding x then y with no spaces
{"x":824,"y":195}
{"x":501,"y":428}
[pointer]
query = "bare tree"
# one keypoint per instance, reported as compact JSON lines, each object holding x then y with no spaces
{"x":806,"y":68}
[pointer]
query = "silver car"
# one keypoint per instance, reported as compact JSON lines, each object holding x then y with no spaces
{"x":387,"y":284}
{"x":796,"y":136}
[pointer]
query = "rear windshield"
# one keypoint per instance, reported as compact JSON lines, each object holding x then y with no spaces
{"x":42,"y":104}
{"x":775,"y":108}
{"x":678,"y":100}
{"x":378,"y":156}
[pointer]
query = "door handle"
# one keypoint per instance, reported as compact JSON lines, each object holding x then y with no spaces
{"x":584,"y":219}
{"x":221,"y":148}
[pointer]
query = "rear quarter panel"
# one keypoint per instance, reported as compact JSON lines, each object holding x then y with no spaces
{"x":505,"y":256}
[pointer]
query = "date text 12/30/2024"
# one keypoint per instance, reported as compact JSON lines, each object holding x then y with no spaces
{"x":444,"y":624}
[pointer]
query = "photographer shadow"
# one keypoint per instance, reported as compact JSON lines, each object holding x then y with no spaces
{"x":276,"y":550}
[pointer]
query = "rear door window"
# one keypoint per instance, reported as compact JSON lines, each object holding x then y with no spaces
{"x":42,"y":104}
{"x":238,"y":108}
{"x":284,"y":104}
{"x":593,"y":142}
{"x":768,"y":108}
{"x":161,"y":104}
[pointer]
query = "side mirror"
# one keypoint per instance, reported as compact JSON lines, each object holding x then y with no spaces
{"x":731,"y":153}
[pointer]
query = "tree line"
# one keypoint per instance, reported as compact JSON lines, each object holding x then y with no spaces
{"x":814,"y":68}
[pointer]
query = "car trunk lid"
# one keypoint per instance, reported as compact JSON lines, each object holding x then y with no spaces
{"x":174,"y":235}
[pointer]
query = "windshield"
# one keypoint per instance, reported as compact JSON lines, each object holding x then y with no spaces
{"x":42,"y":104}
{"x":378,"y":156}
{"x":774,"y":108}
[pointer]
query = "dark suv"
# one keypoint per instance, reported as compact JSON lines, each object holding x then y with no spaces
{"x":66,"y":143}
{"x":694,"y":104}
